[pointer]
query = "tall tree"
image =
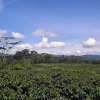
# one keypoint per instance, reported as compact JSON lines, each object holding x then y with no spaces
{"x":5,"y":46}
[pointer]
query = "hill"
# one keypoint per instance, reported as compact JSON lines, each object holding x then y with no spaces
{"x":92,"y":57}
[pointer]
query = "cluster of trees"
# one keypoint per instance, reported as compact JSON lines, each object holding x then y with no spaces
{"x":34,"y":57}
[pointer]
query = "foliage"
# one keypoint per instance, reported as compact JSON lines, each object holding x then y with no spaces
{"x":6,"y":45}
{"x":36,"y":58}
{"x":22,"y":65}
{"x":50,"y":82}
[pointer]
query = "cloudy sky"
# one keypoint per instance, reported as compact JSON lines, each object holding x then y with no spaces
{"x":53,"y":26}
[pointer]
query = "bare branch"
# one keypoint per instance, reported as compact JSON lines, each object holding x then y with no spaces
{"x":10,"y":47}
{"x":2,"y":48}
{"x":6,"y":38}
{"x":15,"y":43}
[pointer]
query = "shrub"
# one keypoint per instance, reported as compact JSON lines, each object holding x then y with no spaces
{"x":22,"y":65}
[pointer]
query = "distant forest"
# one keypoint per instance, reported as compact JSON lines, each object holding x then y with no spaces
{"x":35,"y":58}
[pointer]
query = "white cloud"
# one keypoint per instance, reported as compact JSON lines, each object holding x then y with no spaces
{"x":21,"y":47}
{"x":90,"y":42}
{"x":45,"y":44}
{"x":42,"y":32}
{"x":76,"y":49}
{"x":58,"y":48}
{"x":43,"y":47}
{"x":24,"y":46}
{"x":2,"y":32}
{"x":92,"y":51}
{"x":57,"y":44}
{"x":3,"y":4}
{"x":18,"y":35}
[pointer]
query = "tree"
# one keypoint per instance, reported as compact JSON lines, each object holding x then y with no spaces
{"x":21,"y":55}
{"x":5,"y":47}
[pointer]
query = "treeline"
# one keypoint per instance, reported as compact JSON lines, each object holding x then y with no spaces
{"x":35,"y":58}
{"x":8,"y":43}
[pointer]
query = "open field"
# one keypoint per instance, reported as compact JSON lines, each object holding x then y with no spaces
{"x":50,"y":82}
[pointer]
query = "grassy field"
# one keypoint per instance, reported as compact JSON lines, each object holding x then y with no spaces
{"x":50,"y":82}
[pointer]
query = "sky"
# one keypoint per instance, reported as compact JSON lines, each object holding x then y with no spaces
{"x":68,"y":27}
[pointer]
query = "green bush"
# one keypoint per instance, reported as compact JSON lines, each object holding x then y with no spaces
{"x":22,"y":65}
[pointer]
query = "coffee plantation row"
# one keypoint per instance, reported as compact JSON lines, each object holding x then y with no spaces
{"x":50,"y":82}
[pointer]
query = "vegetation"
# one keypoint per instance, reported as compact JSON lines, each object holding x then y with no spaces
{"x":6,"y":45}
{"x":28,"y":75}
{"x":50,"y":82}
{"x":35,"y":58}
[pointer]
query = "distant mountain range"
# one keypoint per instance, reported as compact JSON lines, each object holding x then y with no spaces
{"x":92,"y":57}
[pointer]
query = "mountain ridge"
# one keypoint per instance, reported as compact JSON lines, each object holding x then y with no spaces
{"x":91,"y":57}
